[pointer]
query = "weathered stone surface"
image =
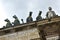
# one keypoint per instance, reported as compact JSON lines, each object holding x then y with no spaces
{"x":23,"y":35}
{"x":32,"y":31}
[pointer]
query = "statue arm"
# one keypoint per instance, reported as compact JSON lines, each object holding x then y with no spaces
{"x":54,"y":13}
{"x":18,"y":21}
{"x":31,"y":19}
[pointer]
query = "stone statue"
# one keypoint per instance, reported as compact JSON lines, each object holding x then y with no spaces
{"x":22,"y":21}
{"x":4,"y":27}
{"x":29,"y":18}
{"x":50,"y":13}
{"x":16,"y":21}
{"x":8,"y":23}
{"x":39,"y":16}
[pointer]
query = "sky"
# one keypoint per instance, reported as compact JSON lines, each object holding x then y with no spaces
{"x":21,"y":9}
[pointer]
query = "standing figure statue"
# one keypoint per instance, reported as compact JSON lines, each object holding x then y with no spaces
{"x":16,"y":21}
{"x":38,"y":18}
{"x":50,"y":13}
{"x":29,"y":18}
{"x":8,"y":23}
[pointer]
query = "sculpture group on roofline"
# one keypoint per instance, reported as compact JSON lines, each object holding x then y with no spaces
{"x":50,"y":14}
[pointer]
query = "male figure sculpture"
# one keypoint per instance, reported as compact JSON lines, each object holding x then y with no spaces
{"x":29,"y":19}
{"x":16,"y":21}
{"x":50,"y":13}
{"x":38,"y":18}
{"x":8,"y":23}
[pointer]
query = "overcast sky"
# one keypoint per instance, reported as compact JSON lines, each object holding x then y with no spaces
{"x":21,"y":8}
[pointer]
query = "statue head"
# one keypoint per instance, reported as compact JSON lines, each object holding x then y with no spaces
{"x":40,"y":12}
{"x":50,"y":8}
{"x":6,"y":20}
{"x":30,"y":14}
{"x":15,"y":16}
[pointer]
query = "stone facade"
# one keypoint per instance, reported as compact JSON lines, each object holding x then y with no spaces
{"x":22,"y":35}
{"x":37,"y":30}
